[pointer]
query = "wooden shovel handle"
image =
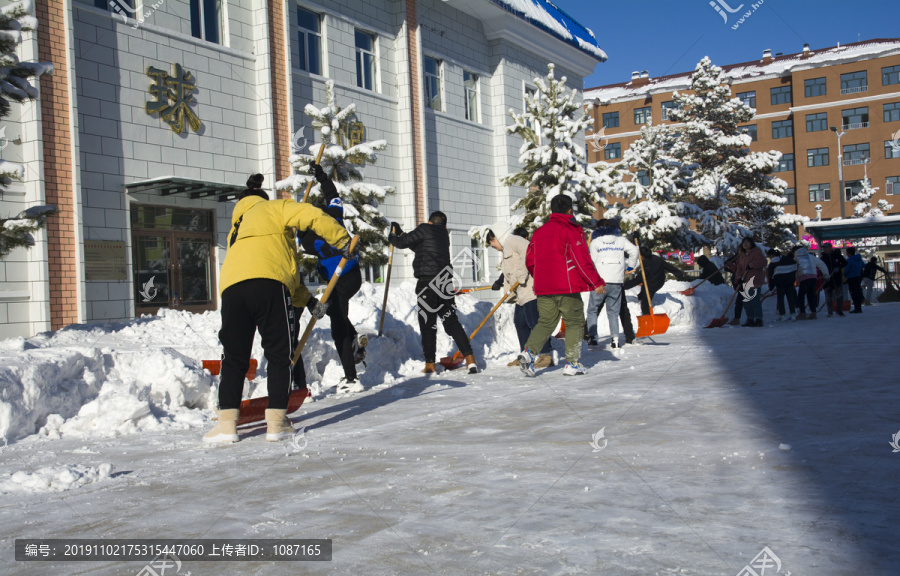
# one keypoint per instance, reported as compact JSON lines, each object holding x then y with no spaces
{"x":310,"y":183}
{"x":494,"y":309}
{"x":387,"y":286}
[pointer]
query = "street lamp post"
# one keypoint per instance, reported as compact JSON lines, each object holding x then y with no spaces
{"x":840,"y":167}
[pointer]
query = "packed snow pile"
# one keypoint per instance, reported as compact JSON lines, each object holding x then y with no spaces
{"x":54,"y":478}
{"x":103,"y":380}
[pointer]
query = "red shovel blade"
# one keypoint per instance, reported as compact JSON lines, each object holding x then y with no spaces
{"x":215,"y":366}
{"x":452,"y":363}
{"x":254,"y":410}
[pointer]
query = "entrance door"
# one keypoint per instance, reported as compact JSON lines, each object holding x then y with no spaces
{"x":173,"y":265}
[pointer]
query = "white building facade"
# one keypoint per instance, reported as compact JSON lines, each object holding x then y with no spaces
{"x":158,"y":112}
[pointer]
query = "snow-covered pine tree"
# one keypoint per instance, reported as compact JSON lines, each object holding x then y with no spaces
{"x":735,"y":188}
{"x":344,"y":166}
{"x":553,"y":162}
{"x":863,"y":202}
{"x":15,"y":85}
{"x":658,"y":212}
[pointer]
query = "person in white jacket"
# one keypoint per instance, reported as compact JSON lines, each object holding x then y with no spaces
{"x":807,"y":267}
{"x":611,"y":254}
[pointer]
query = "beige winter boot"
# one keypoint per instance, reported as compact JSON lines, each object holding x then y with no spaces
{"x":543,"y":361}
{"x":225,"y":429}
{"x":470,"y":364}
{"x":429,"y":368}
{"x":278,"y":427}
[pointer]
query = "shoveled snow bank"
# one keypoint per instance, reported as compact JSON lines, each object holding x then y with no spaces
{"x":54,"y":478}
{"x":103,"y":380}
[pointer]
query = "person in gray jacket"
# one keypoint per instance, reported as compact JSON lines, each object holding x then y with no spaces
{"x":611,"y":254}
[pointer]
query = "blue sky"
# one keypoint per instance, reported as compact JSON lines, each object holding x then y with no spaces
{"x":671,"y":36}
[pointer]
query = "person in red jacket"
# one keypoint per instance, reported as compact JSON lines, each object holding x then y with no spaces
{"x":560,"y":263}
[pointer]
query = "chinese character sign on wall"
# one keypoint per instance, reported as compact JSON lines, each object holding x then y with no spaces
{"x":174,"y":95}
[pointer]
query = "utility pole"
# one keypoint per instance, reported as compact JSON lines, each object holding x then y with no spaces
{"x":840,"y":167}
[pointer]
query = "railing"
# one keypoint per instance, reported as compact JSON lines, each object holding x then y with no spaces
{"x":854,"y":161}
{"x":854,"y":90}
{"x":856,"y":126}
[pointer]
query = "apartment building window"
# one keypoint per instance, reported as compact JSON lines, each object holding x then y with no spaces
{"x":786,"y":164}
{"x":471,"y":267}
{"x":122,"y":7}
{"x":815,"y":87}
{"x":817,"y":157}
{"x":892,"y":112}
{"x":852,"y":188}
{"x":611,"y":120}
{"x":310,"y":41}
{"x":856,"y":154}
{"x":433,"y":83}
{"x":855,"y":118}
{"x":642,"y":115}
{"x":890,"y":75}
{"x":782,"y":129}
{"x":751,"y":130}
{"x":612,"y":151}
{"x":666,"y":107}
{"x":854,"y":82}
{"x":748,"y":98}
{"x":891,"y":149}
{"x":790,"y":197}
{"x":205,"y":19}
{"x":892,"y":186}
{"x":819,"y":192}
{"x":470,"y":84}
{"x":817,"y":122}
{"x":643,"y":178}
{"x":781,"y":95}
{"x":365,"y":60}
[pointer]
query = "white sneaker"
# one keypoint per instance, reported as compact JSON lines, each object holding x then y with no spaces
{"x":792,"y":318}
{"x":349,"y":387}
{"x":526,"y":362}
{"x":575,"y":369}
{"x":614,"y":343}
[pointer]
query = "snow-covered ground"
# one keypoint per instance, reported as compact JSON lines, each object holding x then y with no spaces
{"x":715,"y":444}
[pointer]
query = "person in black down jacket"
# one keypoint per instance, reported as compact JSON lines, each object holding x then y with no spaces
{"x":655,"y":269}
{"x":868,"y":282}
{"x":709,"y":271}
{"x":834,"y":284}
{"x":434,"y":287}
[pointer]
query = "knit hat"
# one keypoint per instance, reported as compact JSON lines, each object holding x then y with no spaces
{"x":501,"y":230}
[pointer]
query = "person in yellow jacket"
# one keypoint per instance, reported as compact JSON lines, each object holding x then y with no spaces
{"x":260,"y":285}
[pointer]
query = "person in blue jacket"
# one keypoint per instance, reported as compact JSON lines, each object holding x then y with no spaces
{"x":350,"y":346}
{"x":853,"y":273}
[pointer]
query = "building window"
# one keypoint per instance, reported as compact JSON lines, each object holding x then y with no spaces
{"x":781,"y":95}
{"x":815,"y":87}
{"x":433,"y":83}
{"x":854,"y":82}
{"x":373,"y":273}
{"x":786,"y":164}
{"x":748,"y":98}
{"x":891,"y":149}
{"x":852,"y":188}
{"x":751,"y":130}
{"x":470,"y":84}
{"x":310,"y":41}
{"x":856,"y":154}
{"x":890,"y":75}
{"x":471,"y":267}
{"x":611,"y":120}
{"x":119,"y":6}
{"x":817,"y":122}
{"x":782,"y":129}
{"x":855,"y":118}
{"x":642,"y":115}
{"x":205,"y":17}
{"x":892,"y":186}
{"x":892,"y":112}
{"x":666,"y":107}
{"x":643,"y":177}
{"x":612,"y":151}
{"x":819,"y":192}
{"x":790,"y":197}
{"x":365,"y":60}
{"x":817,"y":157}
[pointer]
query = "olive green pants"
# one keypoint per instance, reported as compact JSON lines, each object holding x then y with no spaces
{"x":550,"y":308}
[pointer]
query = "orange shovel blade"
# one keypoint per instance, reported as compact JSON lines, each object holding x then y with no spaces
{"x":689,"y":292}
{"x":650,"y":324}
{"x":254,"y":410}
{"x":452,"y":362}
{"x":215,"y":366}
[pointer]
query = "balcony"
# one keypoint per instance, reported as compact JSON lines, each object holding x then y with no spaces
{"x":854,"y":90}
{"x":855,"y":126}
{"x":854,"y":161}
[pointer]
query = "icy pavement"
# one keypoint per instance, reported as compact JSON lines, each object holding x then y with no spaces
{"x":715,"y":444}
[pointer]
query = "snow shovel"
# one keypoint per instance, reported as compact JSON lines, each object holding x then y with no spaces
{"x":562,"y":330}
{"x":722,"y":320}
{"x":479,"y":289}
{"x":215,"y":366}
{"x":454,"y":362}
{"x":254,"y":409}
{"x":649,"y":324}
{"x":387,"y":286}
{"x":690,"y":291}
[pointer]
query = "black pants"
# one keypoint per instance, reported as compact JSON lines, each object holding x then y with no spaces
{"x":434,"y":305}
{"x":264,"y":305}
{"x":625,"y":318}
{"x":782,"y":291}
{"x":807,"y":294}
{"x":298,"y":373}
{"x":855,"y":286}
{"x":342,"y":331}
{"x":738,"y":304}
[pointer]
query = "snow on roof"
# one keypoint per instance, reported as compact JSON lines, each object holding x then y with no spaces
{"x":548,"y":17}
{"x":780,"y":66}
